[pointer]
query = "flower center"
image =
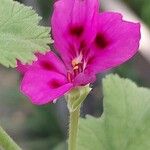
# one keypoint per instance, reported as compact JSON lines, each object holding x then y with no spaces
{"x":76,"y":62}
{"x":78,"y":66}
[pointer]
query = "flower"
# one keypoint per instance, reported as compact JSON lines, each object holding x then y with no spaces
{"x":87,"y":42}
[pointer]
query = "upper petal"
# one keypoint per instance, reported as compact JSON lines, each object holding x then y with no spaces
{"x":72,"y":25}
{"x":116,"y":41}
{"x":43,"y":86}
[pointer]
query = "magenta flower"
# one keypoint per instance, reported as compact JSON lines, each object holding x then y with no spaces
{"x":87,"y":43}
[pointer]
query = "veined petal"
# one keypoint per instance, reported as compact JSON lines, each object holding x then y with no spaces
{"x":116,"y":42}
{"x":72,"y":25}
{"x":43,"y":86}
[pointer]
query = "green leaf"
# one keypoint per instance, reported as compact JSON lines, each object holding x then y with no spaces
{"x":20,"y":34}
{"x":125,"y":123}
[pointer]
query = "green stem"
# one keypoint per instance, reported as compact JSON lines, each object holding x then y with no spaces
{"x":6,"y":142}
{"x":73,"y":129}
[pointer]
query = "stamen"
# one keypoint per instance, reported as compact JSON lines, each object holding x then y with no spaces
{"x":76,"y":72}
{"x":76,"y":67}
{"x":69,"y":76}
{"x":76,"y":61}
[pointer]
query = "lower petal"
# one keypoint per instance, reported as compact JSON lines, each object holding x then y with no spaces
{"x":22,"y":68}
{"x":43,"y":87}
{"x":48,"y":62}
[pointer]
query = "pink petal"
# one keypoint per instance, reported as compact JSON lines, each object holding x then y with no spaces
{"x":116,"y":42}
{"x":84,"y":78}
{"x":22,"y":68}
{"x":45,"y":80}
{"x":43,"y":86}
{"x":72,"y":24}
{"x":48,"y":61}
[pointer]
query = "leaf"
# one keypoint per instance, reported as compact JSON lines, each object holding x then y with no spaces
{"x":125,"y":123}
{"x":20,"y":34}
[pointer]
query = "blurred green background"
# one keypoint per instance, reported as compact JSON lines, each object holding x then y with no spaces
{"x":36,"y":128}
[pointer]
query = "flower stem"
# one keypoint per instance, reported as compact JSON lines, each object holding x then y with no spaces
{"x":73,"y":129}
{"x":6,"y":142}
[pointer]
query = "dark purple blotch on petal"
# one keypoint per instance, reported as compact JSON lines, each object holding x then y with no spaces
{"x":101,"y":41}
{"x":47,"y":66}
{"x":76,"y":31}
{"x":54,"y":84}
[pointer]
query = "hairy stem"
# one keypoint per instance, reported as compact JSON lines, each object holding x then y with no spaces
{"x":73,"y":129}
{"x":6,"y":142}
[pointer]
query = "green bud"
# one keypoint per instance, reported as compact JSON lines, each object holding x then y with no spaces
{"x":76,"y":96}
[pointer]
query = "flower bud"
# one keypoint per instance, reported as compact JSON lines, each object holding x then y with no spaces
{"x":76,"y":96}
